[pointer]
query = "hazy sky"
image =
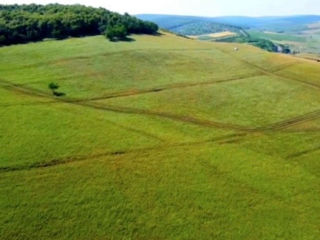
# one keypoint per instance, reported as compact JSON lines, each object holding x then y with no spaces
{"x":198,"y":7}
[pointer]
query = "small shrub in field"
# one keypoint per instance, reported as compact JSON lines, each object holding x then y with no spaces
{"x":54,"y":87}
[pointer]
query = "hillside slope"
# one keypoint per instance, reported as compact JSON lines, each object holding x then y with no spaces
{"x":159,"y":138}
{"x":189,"y":25}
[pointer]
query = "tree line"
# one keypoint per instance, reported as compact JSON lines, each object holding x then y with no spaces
{"x":25,"y":23}
{"x":262,"y":43}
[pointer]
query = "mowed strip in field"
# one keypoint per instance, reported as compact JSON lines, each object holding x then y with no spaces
{"x":158,"y":138}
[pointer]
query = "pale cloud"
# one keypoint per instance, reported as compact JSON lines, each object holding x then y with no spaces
{"x":198,"y":7}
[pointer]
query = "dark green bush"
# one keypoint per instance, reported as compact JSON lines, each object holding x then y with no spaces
{"x":117,"y":32}
{"x":53,"y":86}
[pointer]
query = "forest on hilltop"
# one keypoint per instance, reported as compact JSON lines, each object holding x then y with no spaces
{"x":25,"y":23}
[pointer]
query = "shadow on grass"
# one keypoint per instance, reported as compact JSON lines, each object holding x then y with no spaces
{"x":158,"y":34}
{"x":58,"y":94}
{"x":126,"y":39}
{"x":129,"y":39}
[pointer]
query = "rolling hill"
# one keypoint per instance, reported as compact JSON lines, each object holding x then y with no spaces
{"x":286,"y":23}
{"x":158,"y":138}
{"x":189,"y":25}
{"x":298,"y":34}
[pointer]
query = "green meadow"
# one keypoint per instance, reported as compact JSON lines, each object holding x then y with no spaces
{"x":161,"y":137}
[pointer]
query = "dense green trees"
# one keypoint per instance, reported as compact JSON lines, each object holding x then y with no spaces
{"x":25,"y":23}
{"x":258,"y":42}
{"x":116,"y":32}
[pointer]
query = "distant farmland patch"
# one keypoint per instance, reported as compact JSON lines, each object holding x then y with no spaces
{"x":217,"y":35}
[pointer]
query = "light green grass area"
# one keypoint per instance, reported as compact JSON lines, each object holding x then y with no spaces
{"x":306,"y":71}
{"x":253,"y":101}
{"x":159,"y":138}
{"x":146,"y":66}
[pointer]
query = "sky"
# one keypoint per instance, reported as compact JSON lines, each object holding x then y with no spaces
{"x":198,"y":7}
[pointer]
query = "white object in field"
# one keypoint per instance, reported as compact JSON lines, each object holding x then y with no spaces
{"x":236,"y":49}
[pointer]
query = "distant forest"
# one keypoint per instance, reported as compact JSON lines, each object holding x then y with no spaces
{"x":26,"y":23}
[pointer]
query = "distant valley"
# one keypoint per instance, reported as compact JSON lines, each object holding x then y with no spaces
{"x":299,"y":35}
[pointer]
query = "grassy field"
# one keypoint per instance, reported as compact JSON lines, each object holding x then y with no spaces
{"x":158,"y":138}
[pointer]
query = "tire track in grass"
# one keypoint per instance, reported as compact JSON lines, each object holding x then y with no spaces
{"x":301,"y":130}
{"x":303,"y":153}
{"x":27,"y":104}
{"x":71,"y":159}
{"x":159,"y":88}
{"x":279,"y":126}
{"x":126,"y":110}
{"x":33,"y":92}
{"x":134,"y":92}
{"x":292,"y":121}
{"x":288,"y":122}
{"x":86,"y":103}
{"x":23,"y":89}
{"x":168,"y":87}
{"x":284,"y":66}
{"x":310,"y":84}
{"x":272,"y":73}
{"x":185,"y":119}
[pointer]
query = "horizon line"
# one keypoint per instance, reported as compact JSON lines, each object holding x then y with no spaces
{"x":247,"y":16}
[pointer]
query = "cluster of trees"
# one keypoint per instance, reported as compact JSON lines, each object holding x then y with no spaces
{"x":203,"y":27}
{"x":258,"y":42}
{"x":25,"y":23}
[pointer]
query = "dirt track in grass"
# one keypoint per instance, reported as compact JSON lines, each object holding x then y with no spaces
{"x":187,"y":119}
{"x":227,"y":139}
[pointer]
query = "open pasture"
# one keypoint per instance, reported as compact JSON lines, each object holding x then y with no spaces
{"x":158,"y":138}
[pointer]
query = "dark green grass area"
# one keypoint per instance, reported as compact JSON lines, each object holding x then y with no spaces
{"x":159,"y":138}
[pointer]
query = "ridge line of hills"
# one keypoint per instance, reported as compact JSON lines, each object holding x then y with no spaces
{"x":288,"y":34}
